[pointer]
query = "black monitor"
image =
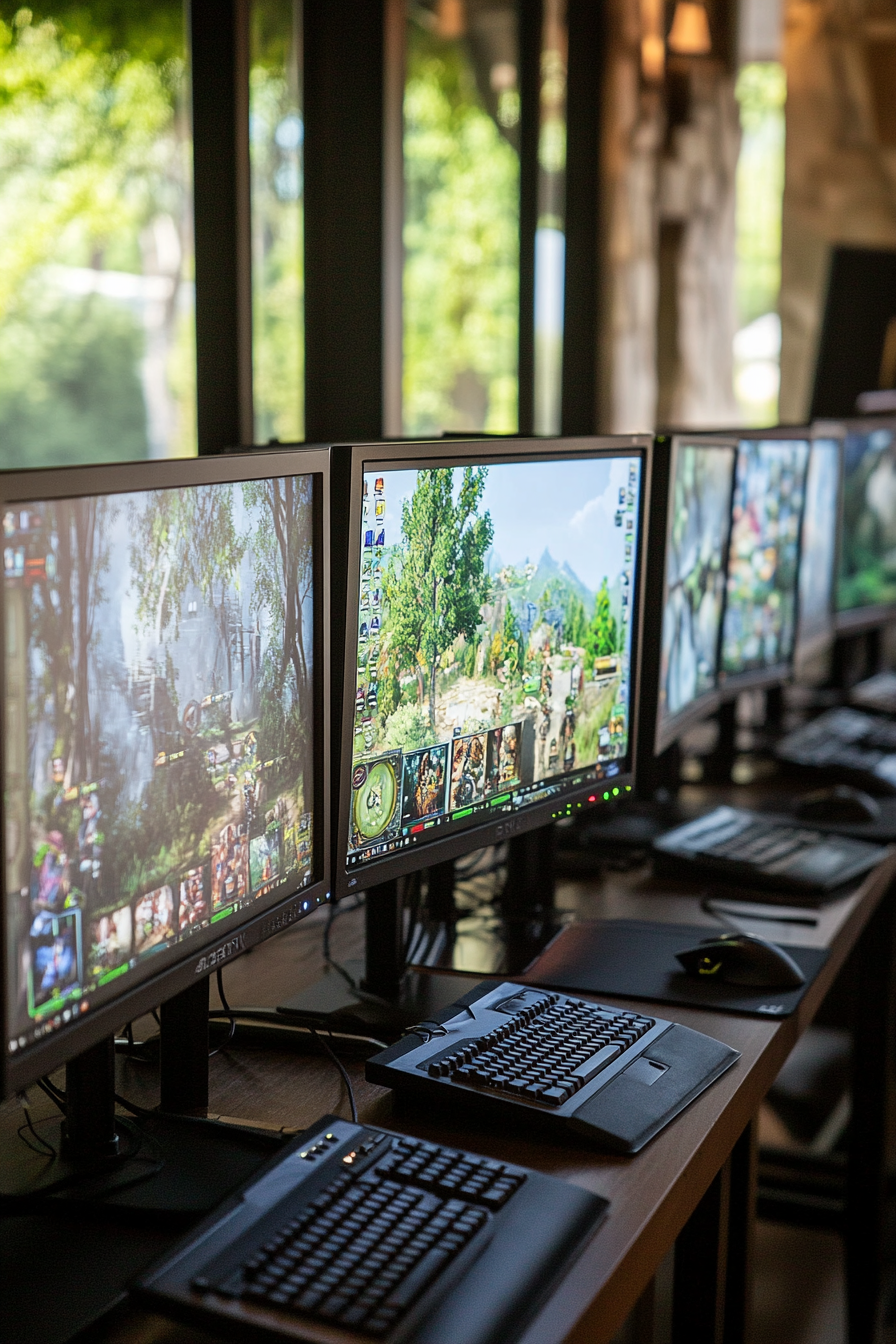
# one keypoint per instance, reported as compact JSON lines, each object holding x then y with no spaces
{"x":759,"y":624}
{"x":818,"y":556}
{"x":866,"y":579}
{"x":692,"y":522}
{"x":164,"y":746}
{"x":491,"y":644}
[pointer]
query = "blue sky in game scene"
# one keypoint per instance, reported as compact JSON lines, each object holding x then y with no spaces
{"x":567,"y":508}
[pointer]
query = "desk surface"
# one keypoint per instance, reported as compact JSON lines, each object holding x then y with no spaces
{"x":652,"y":1194}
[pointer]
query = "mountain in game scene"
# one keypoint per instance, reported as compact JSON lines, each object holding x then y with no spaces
{"x":549,"y":571}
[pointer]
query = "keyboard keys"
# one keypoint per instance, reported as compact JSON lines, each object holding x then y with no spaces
{"x":593,"y":1065}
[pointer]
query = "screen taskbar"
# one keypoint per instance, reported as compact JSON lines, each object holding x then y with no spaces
{"x":602,"y":776}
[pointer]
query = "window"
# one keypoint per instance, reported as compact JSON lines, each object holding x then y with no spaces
{"x":97,"y":351}
{"x":761,"y":93}
{"x":276,"y":137}
{"x":461,"y":224}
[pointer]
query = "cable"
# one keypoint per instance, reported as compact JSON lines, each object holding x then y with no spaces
{"x":46,"y":1148}
{"x":133,"y":1107}
{"x":270,"y":1016}
{"x":343,"y":1072}
{"x":56,"y":1095}
{"x":228,"y":1012}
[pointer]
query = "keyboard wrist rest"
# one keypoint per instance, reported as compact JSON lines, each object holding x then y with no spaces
{"x":535,"y":1240}
{"x":626,"y":1114}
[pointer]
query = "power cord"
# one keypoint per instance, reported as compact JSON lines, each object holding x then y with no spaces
{"x":228,"y":1012}
{"x":46,"y":1148}
{"x":345,"y":1078}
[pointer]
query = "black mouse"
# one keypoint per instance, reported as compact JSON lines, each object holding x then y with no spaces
{"x":842,"y":805}
{"x":742,"y":959}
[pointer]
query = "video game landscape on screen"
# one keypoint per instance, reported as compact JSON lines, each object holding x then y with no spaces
{"x":759,"y":625}
{"x":494,"y":640}
{"x":159,"y":726}
{"x":867,"y":575}
{"x":696,"y":551}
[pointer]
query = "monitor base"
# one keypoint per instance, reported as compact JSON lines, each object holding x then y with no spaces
{"x":484,"y":943}
{"x":169,"y":1168}
{"x":118,"y":1230}
{"x":331,"y":1002}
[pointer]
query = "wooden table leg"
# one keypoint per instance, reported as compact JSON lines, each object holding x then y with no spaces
{"x":872,"y":1063}
{"x":741,"y":1228}
{"x":713,"y":1255}
{"x":701,"y":1254}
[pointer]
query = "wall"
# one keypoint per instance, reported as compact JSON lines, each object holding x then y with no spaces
{"x":840,"y":186}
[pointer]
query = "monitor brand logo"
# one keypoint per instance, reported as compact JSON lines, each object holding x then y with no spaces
{"x":770,"y":1008}
{"x":508,"y":828}
{"x":282,"y":919}
{"x":231,"y":948}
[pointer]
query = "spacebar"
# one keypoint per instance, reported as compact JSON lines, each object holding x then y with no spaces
{"x":597,"y":1062}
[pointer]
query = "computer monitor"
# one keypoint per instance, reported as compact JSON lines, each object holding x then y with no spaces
{"x":866,"y":579}
{"x":694,"y":519}
{"x":818,"y":556}
{"x":165,"y":733}
{"x":759,"y":624}
{"x":492,"y":644}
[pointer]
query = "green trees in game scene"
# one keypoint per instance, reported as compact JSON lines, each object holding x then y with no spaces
{"x":603,"y":638}
{"x":436,"y":584}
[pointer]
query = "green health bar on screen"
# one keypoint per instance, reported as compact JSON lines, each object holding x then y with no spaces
{"x":111,"y":975}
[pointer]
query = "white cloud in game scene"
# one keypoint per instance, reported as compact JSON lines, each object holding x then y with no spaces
{"x":606,"y":503}
{"x":536,"y":507}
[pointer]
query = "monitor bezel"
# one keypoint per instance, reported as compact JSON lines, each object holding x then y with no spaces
{"x":858,"y":620}
{"x":776,"y":674}
{"x":670,"y":728}
{"x":21,"y":1069}
{"x":812,"y":656}
{"x":460,"y":452}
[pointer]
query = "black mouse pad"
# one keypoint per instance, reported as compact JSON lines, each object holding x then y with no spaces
{"x":636,"y":959}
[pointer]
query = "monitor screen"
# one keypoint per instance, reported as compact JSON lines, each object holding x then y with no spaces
{"x":867,"y":570}
{"x":818,"y":549}
{"x":697,"y":531}
{"x":759,"y":626}
{"x":491,"y":643}
{"x":160,"y":729}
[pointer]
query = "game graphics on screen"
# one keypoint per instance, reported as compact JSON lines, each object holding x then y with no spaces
{"x":868,"y":544}
{"x":760,"y":612}
{"x":696,"y":552}
{"x":159,"y":745}
{"x":494,"y":641}
{"x":819,"y":540}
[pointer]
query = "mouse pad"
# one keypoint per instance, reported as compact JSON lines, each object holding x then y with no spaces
{"x":636,"y":959}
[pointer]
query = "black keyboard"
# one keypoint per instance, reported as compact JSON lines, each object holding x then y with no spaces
{"x":848,"y":744}
{"x":758,"y":851}
{"x":365,"y":1230}
{"x":613,"y":1076}
{"x":878,"y":693}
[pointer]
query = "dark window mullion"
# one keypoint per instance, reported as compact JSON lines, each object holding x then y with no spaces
{"x":219,"y":40}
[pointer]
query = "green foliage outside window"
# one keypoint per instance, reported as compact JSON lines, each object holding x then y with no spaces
{"x":94,"y":176}
{"x":461,"y":238}
{"x":761,"y":93}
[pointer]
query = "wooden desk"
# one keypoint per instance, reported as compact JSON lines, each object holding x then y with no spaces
{"x":692,"y":1184}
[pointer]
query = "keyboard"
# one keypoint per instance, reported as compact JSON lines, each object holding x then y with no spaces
{"x":754,"y":850}
{"x":847,"y":744}
{"x":877,"y":693}
{"x":559,"y":1062}
{"x":357,"y":1228}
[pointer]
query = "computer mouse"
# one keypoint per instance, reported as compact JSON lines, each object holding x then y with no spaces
{"x":742,"y":959}
{"x":842,"y":805}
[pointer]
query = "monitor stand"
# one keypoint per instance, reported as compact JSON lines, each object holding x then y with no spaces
{"x":390,"y":997}
{"x":169,"y":1163}
{"x":121,"y":1189}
